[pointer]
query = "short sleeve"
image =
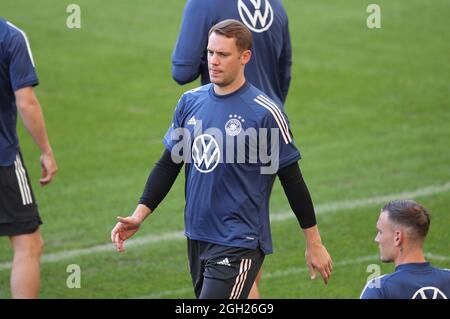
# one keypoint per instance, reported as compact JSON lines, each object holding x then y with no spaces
{"x":21,"y":67}
{"x":174,"y":134}
{"x":279,"y":137}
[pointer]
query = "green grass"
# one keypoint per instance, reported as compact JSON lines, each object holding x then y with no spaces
{"x":369,"y":110}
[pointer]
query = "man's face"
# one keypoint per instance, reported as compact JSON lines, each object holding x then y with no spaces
{"x":386,"y":238}
{"x":225,"y":62}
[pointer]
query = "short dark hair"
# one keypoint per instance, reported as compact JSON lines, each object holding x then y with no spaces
{"x":410,"y":214}
{"x":231,"y":28}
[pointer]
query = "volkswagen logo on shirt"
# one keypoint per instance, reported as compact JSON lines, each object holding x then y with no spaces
{"x":256,"y":17}
{"x":429,"y":293}
{"x":205,"y":153}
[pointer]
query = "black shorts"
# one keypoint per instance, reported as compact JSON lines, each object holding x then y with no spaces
{"x":18,"y":209}
{"x":222,"y":272}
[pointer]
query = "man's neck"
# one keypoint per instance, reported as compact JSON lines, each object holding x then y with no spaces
{"x":409,"y":257}
{"x":232,"y":87}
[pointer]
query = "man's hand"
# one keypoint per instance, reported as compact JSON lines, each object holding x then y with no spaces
{"x":124,"y":229}
{"x":49,"y":168}
{"x":128,"y":226}
{"x":318,"y":258}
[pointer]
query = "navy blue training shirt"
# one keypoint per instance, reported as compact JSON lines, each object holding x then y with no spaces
{"x":410,"y":281}
{"x":16,"y":72}
{"x":270,"y":66}
{"x":226,"y":139}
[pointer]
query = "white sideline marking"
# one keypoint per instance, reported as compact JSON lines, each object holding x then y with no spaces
{"x":56,"y":257}
{"x":178,"y":235}
{"x":289,"y":272}
{"x":350,"y":204}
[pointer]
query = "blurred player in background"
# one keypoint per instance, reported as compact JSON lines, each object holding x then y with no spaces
{"x":270,"y":67}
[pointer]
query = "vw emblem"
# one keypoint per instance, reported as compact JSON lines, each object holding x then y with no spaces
{"x":429,"y":293}
{"x":205,"y":153}
{"x":256,"y":18}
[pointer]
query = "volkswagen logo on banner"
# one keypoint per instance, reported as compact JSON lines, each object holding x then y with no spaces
{"x":257,"y":17}
{"x":205,"y":153}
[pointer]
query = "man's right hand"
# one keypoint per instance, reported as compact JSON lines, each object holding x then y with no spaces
{"x":48,"y":168}
{"x":128,"y":226}
{"x":124,"y":229}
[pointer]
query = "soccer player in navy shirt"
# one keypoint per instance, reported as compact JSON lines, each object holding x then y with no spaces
{"x":227,"y":187}
{"x":270,"y":67}
{"x":402,"y":228}
{"x":19,"y":217}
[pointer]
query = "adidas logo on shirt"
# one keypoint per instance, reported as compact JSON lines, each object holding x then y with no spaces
{"x":192,"y":121}
{"x":224,"y":262}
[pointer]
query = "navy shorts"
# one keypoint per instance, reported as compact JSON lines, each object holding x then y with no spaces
{"x":222,"y":272}
{"x":18,"y":209}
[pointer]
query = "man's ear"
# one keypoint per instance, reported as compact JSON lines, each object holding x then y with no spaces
{"x":246,"y":56}
{"x":398,"y":237}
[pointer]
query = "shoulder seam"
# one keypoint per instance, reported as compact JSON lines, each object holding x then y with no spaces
{"x":370,"y":281}
{"x":26,"y":41}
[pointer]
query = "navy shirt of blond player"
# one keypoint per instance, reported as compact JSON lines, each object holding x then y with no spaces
{"x":410,"y":281}
{"x":16,"y":72}
{"x":227,"y":195}
{"x":270,"y":66}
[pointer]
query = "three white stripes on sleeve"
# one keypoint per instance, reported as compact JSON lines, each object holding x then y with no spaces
{"x":276,"y":113}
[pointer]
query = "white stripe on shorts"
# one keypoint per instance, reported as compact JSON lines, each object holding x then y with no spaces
{"x":240,"y":279}
{"x":23,"y":182}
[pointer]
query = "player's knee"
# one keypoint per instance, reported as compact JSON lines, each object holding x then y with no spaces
{"x":30,"y":246}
